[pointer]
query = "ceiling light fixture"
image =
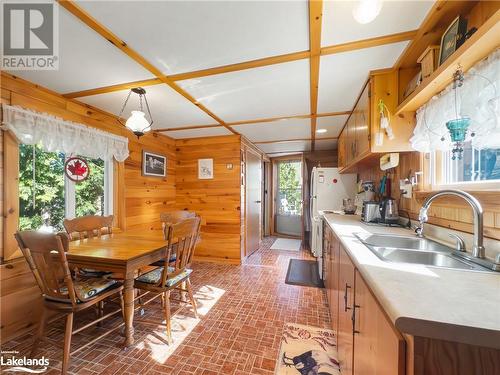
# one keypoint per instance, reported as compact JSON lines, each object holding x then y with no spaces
{"x":137,"y":122}
{"x":321,"y":131}
{"x":365,"y":11}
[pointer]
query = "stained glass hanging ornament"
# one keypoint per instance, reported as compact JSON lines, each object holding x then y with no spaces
{"x":458,"y":126}
{"x":76,"y":169}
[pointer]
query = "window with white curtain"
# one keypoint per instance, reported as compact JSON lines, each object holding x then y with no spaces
{"x":46,"y":195}
{"x":478,"y":99}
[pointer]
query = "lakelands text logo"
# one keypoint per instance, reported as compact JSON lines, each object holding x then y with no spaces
{"x":10,"y":363}
{"x":30,"y":35}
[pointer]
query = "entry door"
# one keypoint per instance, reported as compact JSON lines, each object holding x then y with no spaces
{"x":253,"y":201}
{"x":288,"y":198}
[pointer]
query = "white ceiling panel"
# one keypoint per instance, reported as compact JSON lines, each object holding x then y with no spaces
{"x":342,"y":75}
{"x":297,"y":146}
{"x":339,"y":25}
{"x":326,"y":144}
{"x":270,"y":91}
{"x":168,"y":108}
{"x":333,"y":125}
{"x":198,"y":133}
{"x":86,"y":60}
{"x":181,"y":36}
{"x":276,"y":130}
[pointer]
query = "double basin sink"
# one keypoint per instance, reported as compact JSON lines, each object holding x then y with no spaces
{"x":410,"y":249}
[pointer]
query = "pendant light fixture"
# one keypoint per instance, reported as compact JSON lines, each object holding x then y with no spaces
{"x":137,"y":122}
{"x":365,"y":11}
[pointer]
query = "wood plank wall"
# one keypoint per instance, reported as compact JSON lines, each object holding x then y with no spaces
{"x":217,"y":201}
{"x":138,"y":205}
{"x":450,"y":213}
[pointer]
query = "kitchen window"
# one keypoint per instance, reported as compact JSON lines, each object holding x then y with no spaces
{"x":47,"y":196}
{"x":477,"y":169}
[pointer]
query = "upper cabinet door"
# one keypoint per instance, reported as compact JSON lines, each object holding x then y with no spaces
{"x":342,"y":150}
{"x":362,"y":122}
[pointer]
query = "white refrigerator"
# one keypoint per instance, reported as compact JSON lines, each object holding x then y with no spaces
{"x":328,"y":188}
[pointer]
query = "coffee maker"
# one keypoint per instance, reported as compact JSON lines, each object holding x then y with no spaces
{"x":388,"y":211}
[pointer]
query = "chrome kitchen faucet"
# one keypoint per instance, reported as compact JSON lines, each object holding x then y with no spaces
{"x":477,"y":247}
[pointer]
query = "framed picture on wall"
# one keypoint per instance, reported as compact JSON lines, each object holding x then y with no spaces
{"x":154,"y":165}
{"x":205,"y":169}
{"x":452,"y":38}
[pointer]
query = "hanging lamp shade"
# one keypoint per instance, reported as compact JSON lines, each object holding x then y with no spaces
{"x":137,"y":123}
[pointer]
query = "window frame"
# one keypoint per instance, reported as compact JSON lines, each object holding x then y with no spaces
{"x":436,"y":166}
{"x":10,"y":250}
{"x":70,"y":192}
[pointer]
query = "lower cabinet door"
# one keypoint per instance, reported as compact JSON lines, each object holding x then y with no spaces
{"x":334,"y":291}
{"x":346,"y":304}
{"x":378,"y":348}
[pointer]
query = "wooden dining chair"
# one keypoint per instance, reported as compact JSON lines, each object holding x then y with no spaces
{"x":61,"y":293}
{"x":172,"y":275}
{"x":88,"y":226}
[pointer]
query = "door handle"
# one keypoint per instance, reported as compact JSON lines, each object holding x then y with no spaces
{"x":347,"y":286}
{"x":258,"y":201}
{"x":353,"y":318}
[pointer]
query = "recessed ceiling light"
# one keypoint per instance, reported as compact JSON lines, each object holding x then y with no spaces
{"x":321,"y":131}
{"x":366,"y":11}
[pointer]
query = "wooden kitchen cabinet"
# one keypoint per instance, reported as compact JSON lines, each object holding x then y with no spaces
{"x":367,"y":341}
{"x":357,"y":138}
{"x":378,"y":348}
{"x":346,"y":302}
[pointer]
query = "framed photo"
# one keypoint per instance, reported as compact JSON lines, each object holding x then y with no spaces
{"x":153,"y":164}
{"x":205,"y":169}
{"x":452,"y":38}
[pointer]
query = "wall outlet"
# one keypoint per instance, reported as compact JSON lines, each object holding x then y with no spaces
{"x":405,"y":188}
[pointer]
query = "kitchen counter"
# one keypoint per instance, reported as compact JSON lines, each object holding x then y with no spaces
{"x":446,"y":304}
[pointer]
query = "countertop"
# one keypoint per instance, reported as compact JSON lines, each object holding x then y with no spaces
{"x":447,"y":304}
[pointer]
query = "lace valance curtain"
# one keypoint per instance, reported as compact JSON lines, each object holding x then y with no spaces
{"x":56,"y":134}
{"x":478,"y":98}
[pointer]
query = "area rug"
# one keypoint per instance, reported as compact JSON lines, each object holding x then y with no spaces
{"x":304,"y":273}
{"x":286,"y":244}
{"x":307,"y":350}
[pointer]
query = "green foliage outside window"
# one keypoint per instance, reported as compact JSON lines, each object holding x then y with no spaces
{"x":290,"y":188}
{"x":42,"y":195}
{"x":90,"y":193}
{"x":46,"y":194}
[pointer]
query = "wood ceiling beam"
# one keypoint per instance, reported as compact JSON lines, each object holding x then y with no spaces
{"x":294,"y":140}
{"x":257,"y":121}
{"x":370,"y":42}
{"x":266,"y":61}
{"x":87,"y":19}
{"x":113,"y":88}
{"x":338,"y":48}
{"x":315,"y":13}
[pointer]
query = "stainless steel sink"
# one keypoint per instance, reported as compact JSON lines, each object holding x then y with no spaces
{"x":415,"y":250}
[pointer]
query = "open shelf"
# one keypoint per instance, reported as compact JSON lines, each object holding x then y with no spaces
{"x":485,"y":40}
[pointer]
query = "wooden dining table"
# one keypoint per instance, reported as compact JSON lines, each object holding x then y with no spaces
{"x":125,"y":253}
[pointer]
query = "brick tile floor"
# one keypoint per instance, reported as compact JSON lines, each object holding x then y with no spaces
{"x":242,"y":313}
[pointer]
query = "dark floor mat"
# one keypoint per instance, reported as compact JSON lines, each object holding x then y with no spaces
{"x":304,"y":273}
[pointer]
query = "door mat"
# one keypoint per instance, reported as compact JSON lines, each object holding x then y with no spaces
{"x":304,"y":273}
{"x":286,"y":244}
{"x":307,"y":350}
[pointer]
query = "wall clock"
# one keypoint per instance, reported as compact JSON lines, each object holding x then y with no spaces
{"x":77,"y":169}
